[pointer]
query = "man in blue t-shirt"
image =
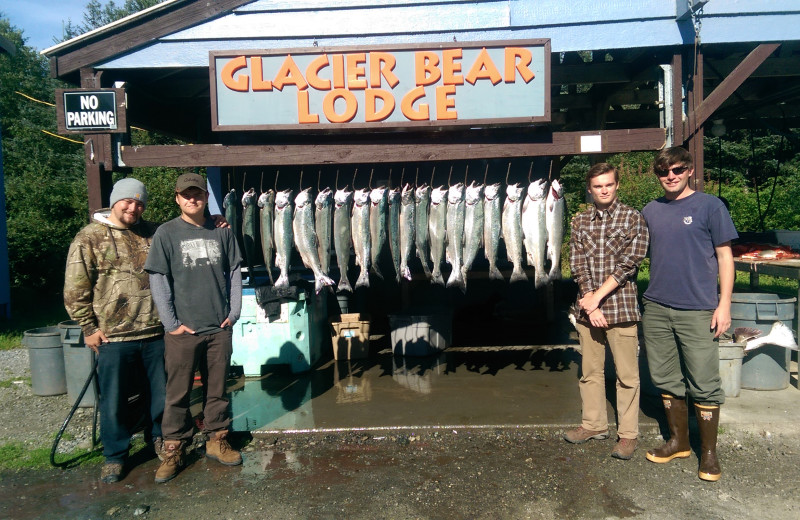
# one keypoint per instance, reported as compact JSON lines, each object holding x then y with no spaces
{"x":690,"y":249}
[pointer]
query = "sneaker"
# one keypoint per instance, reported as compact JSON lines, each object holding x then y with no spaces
{"x":218,"y":448}
{"x":111,"y":472}
{"x":580,"y":435}
{"x":624,"y":449}
{"x":172,"y":463}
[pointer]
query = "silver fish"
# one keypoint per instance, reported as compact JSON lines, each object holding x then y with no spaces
{"x":359,"y":226}
{"x":394,"y":229}
{"x":377,"y":226}
{"x":422,"y":198}
{"x":554,"y":222}
{"x":233,"y":213}
{"x":284,"y":236}
{"x":533,"y":229}
{"x":492,"y":227}
{"x":342,"y":204}
{"x":512,"y":230}
{"x":407,"y":232}
{"x":266,"y":201}
{"x":473,"y":225}
{"x":323,"y":215}
{"x":437,"y":225}
{"x":305,"y":239}
{"x":455,"y":235}
{"x":779,"y":335}
{"x":249,"y":225}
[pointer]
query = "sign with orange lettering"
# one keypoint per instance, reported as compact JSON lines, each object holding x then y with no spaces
{"x":485,"y":83}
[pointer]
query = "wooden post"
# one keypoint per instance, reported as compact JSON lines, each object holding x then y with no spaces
{"x":695,"y":133}
{"x":97,"y":154}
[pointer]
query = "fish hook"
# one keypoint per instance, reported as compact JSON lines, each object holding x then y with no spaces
{"x":261,"y":184}
{"x":416,"y":178}
{"x":485,"y":173}
{"x":466,"y":172}
{"x":244,"y":182}
{"x":319,"y":176}
{"x":530,"y":170}
{"x":508,"y":171}
{"x":369,"y":184}
{"x":277,"y":174}
{"x":433,"y":172}
{"x":336,"y":182}
{"x":449,"y":175}
{"x":301,"y":179}
{"x":354,"y":178}
{"x":402,"y":173}
{"x":550,"y":172}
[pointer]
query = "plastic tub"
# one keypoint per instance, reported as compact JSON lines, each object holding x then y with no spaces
{"x":78,"y":363}
{"x":766,"y":368}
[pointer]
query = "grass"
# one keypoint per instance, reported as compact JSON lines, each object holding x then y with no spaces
{"x":16,"y":455}
{"x":8,"y":383}
{"x":30,"y":309}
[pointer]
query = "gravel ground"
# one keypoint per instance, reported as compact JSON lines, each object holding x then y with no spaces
{"x":35,"y":420}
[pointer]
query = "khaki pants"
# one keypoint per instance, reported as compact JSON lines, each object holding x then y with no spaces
{"x":624,"y":343}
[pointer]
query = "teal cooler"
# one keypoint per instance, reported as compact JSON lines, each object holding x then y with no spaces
{"x":767,"y":367}
{"x":295,"y":338}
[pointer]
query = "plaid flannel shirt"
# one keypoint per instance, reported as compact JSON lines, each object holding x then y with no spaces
{"x":607,"y":243}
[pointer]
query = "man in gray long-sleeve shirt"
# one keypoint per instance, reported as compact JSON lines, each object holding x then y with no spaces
{"x":196,"y":283}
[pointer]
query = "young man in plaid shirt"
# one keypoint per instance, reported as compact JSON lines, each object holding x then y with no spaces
{"x":608,"y":243}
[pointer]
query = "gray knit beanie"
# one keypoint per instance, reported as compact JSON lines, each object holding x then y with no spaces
{"x":128,"y":188}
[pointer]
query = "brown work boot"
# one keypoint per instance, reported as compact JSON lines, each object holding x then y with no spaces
{"x":172,"y":463}
{"x":624,"y":449}
{"x":580,"y":435}
{"x":217,"y":448}
{"x":708,"y":423}
{"x":678,"y":421}
{"x":158,"y":447}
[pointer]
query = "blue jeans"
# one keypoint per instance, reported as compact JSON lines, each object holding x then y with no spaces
{"x":120,"y":369}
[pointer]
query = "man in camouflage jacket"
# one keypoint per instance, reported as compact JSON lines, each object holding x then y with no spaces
{"x":107,"y":292}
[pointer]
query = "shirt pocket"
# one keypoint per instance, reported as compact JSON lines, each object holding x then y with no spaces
{"x":616,"y":238}
{"x":589,"y":243}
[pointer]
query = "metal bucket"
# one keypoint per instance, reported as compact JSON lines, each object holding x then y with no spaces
{"x":46,"y":359}
{"x":766,"y":368}
{"x":730,"y":368}
{"x":78,"y":363}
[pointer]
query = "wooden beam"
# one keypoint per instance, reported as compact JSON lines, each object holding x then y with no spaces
{"x":729,"y":85}
{"x":559,"y":143}
{"x":145,"y":31}
{"x":677,"y":99}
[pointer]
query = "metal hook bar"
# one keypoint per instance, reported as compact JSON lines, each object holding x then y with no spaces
{"x":466,"y":171}
{"x":530,"y":170}
{"x":449,"y":175}
{"x":354,"y":178}
{"x":485,"y":173}
{"x":277,"y":174}
{"x":508,"y":171}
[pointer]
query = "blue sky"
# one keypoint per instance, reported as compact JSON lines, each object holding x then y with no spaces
{"x":41,"y":20}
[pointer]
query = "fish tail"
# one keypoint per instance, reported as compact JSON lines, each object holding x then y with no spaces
{"x":322,"y":281}
{"x":494,"y":273}
{"x":377,"y":272}
{"x":554,"y":274}
{"x":518,"y":275}
{"x":269,"y":274}
{"x":363,"y":279}
{"x":344,"y":284}
{"x":405,"y":272}
{"x":282,"y":282}
{"x":540,"y":280}
{"x":436,"y":277}
{"x":457,"y":279}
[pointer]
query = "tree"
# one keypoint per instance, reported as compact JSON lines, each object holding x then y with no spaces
{"x":98,"y":15}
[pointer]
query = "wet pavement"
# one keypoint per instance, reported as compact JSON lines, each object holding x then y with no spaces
{"x":472,"y":432}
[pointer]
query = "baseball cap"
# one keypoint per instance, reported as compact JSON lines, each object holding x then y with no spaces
{"x":190,"y":180}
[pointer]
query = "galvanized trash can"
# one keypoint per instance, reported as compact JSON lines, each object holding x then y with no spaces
{"x":766,"y":368}
{"x":46,"y":360}
{"x":730,"y":368}
{"x":78,"y":363}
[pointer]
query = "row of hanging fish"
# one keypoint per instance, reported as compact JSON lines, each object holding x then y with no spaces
{"x":440,"y":224}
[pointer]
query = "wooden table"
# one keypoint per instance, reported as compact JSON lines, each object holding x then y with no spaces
{"x":778,"y":268}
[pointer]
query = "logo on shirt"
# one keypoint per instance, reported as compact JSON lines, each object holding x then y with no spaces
{"x":687,"y":220}
{"x":197,"y":252}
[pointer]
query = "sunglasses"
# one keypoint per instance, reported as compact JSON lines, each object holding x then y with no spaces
{"x":677,"y":170}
